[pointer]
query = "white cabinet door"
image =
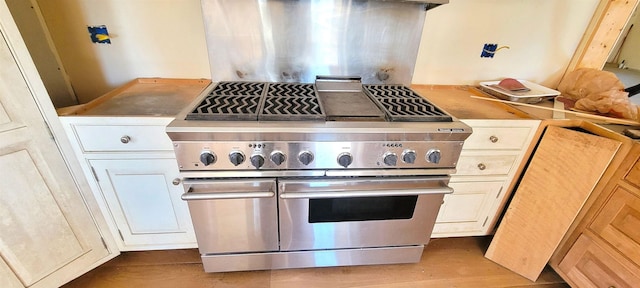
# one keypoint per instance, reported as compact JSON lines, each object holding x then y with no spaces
{"x":7,"y":277}
{"x":466,"y":211}
{"x":145,"y":202}
{"x":47,"y":234}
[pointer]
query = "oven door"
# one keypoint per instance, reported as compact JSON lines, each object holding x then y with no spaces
{"x":358,"y":212}
{"x":233,"y":215}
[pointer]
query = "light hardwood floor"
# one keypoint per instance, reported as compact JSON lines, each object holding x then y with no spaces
{"x":447,"y":262}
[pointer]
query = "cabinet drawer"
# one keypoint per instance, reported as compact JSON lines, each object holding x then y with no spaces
{"x":618,"y":223}
{"x":485,"y":164}
{"x":95,"y":138}
{"x":497,"y":138}
{"x":589,"y":265}
{"x":634,"y":175}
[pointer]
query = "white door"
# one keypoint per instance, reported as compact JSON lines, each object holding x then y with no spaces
{"x":144,"y":199}
{"x":47,"y":234}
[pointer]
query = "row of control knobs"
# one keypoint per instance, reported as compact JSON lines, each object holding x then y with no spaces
{"x":306,"y":157}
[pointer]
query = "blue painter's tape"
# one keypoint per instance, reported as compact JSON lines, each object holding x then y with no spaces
{"x":489,"y":50}
{"x":99,"y":34}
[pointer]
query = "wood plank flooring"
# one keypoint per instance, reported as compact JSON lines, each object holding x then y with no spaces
{"x":446,"y":262}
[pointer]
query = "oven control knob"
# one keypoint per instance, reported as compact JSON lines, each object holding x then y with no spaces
{"x":409,"y":156}
{"x":257,"y":160}
{"x":433,"y":156}
{"x":207,"y":158}
{"x":345,"y":159}
{"x":390,"y":159}
{"x":305,"y":157}
{"x":278,"y":157}
{"x":236,"y":158}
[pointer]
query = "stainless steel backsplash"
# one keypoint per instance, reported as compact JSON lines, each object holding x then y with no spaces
{"x":295,"y":40}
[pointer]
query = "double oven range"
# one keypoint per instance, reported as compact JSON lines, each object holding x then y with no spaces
{"x":287,"y":175}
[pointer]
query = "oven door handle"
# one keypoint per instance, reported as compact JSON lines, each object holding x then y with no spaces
{"x":229,"y":189}
{"x":232,"y":195}
{"x":355,"y":193}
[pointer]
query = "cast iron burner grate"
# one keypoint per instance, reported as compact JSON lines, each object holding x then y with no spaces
{"x":230,"y":101}
{"x":291,"y":102}
{"x":402,"y":104}
{"x":251,"y":101}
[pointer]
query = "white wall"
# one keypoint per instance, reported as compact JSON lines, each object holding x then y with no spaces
{"x":150,"y":38}
{"x":542,"y":36}
{"x":165,"y":38}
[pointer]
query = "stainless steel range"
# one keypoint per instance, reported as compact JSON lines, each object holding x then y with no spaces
{"x":284,"y":175}
{"x":283,"y":168}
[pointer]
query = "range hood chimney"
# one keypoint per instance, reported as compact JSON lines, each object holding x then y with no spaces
{"x":294,"y":41}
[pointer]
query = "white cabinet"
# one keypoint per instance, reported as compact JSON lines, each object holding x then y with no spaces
{"x":132,"y":167}
{"x":48,"y":233}
{"x":143,"y":196}
{"x":485,"y":172}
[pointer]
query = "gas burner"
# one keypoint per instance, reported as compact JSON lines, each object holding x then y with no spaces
{"x":233,"y":101}
{"x":258,"y":101}
{"x":291,"y":102}
{"x":402,"y":104}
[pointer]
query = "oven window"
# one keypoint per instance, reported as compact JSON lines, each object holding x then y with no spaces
{"x":361,"y":208}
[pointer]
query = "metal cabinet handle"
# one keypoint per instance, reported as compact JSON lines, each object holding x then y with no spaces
{"x":348,"y":194}
{"x":481,"y":166}
{"x":225,"y":196}
{"x":125,"y":139}
{"x":176,"y":181}
{"x":493,"y":139}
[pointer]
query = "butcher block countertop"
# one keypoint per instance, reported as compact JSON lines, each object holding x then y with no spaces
{"x":159,"y":97}
{"x":164,"y":97}
{"x":457,"y":101}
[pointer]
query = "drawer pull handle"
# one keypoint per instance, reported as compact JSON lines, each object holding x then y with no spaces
{"x":125,"y":139}
{"x":493,"y":139}
{"x":176,"y":181}
{"x":481,"y":166}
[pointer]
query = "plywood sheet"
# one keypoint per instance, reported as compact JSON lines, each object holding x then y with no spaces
{"x":560,"y":177}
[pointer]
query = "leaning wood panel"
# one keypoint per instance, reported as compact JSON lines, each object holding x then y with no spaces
{"x":602,"y":33}
{"x":562,"y":173}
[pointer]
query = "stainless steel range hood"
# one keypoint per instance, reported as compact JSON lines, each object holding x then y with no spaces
{"x":294,"y":41}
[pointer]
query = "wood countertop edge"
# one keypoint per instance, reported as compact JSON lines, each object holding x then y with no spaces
{"x":462,"y":93}
{"x":78,"y":110}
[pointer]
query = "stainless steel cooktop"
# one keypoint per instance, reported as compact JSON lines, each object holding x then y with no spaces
{"x":336,"y":123}
{"x":339,"y":99}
